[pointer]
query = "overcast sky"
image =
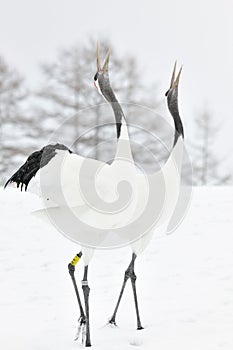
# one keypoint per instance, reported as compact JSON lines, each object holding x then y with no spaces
{"x":197,"y":33}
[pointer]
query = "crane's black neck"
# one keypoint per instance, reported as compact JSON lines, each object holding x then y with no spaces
{"x":172,"y":101}
{"x":118,"y":112}
{"x":108,"y":93}
{"x":179,"y":131}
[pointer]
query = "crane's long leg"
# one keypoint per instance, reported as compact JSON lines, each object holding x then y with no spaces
{"x":126,"y":277}
{"x":133,"y":278}
{"x":86,"y":292}
{"x":82,"y":318}
{"x":129,"y":273}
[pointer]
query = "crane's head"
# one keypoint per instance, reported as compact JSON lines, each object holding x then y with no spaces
{"x":172,"y":92}
{"x":101,"y":78}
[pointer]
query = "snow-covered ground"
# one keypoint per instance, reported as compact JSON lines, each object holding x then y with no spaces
{"x":185,"y":283}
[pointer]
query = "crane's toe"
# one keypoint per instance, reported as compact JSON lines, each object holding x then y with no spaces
{"x":81,"y":329}
{"x":112,"y":323}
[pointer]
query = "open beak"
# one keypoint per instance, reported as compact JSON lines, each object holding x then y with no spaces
{"x":106,"y":61}
{"x":175,"y":80}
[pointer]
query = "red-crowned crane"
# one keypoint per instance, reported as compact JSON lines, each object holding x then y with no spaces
{"x":71,"y":181}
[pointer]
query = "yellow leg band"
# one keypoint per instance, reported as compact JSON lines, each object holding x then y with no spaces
{"x":75,"y":260}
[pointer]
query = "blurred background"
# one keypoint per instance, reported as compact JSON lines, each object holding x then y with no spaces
{"x":48,"y":61}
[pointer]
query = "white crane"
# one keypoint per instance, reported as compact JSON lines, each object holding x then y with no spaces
{"x":164,"y":187}
{"x":54,"y":171}
{"x":63,"y":183}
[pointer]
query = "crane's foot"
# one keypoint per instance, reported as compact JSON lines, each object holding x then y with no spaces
{"x":140,"y":327}
{"x":81,"y":329}
{"x":112,"y":322}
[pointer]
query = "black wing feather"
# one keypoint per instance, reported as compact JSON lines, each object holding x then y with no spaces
{"x":35,"y":161}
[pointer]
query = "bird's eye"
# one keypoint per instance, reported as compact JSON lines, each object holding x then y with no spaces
{"x":96,"y":76}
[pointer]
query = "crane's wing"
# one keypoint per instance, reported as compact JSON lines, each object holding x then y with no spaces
{"x":53,"y":174}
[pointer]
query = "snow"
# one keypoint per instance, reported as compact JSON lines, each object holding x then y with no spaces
{"x":185,"y":282}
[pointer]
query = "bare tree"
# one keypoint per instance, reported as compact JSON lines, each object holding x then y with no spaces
{"x":207,"y":167}
{"x":12,"y":120}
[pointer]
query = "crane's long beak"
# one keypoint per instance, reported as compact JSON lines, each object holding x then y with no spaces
{"x":106,"y":61}
{"x":175,"y":80}
{"x":98,"y":58}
